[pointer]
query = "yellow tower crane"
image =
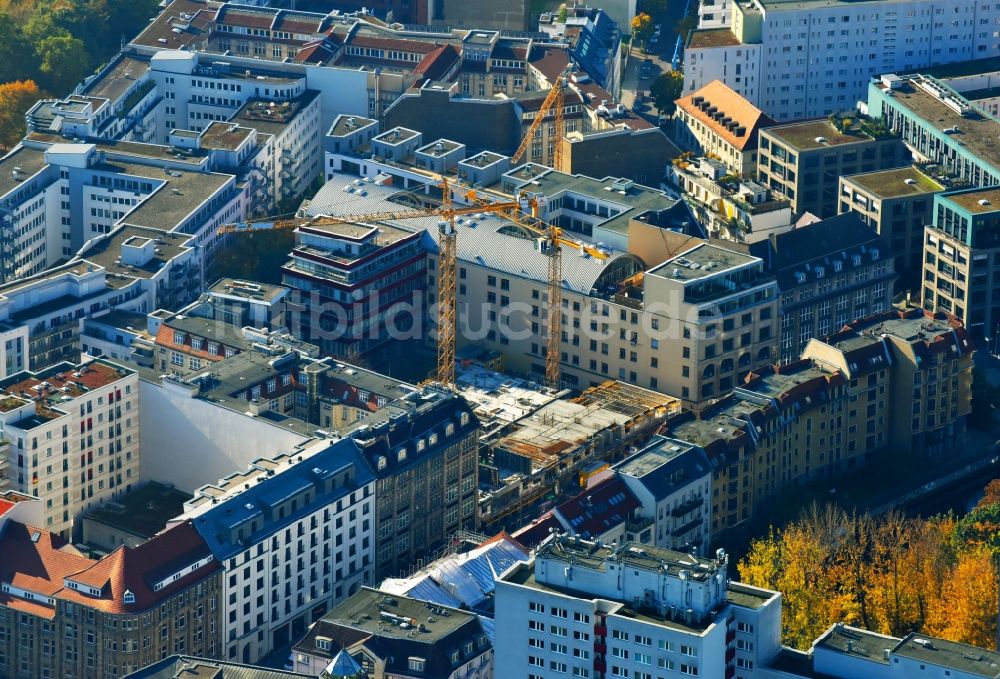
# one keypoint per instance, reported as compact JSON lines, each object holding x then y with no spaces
{"x":549,"y":238}
{"x":553,"y":104}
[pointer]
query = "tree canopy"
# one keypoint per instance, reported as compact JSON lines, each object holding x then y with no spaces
{"x":888,"y":574}
{"x":15,"y":100}
{"x":666,"y":89}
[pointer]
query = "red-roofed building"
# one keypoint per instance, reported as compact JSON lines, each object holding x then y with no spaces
{"x":73,"y":436}
{"x":63,"y":613}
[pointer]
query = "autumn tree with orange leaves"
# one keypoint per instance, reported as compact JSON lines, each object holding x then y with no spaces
{"x":15,"y":100}
{"x":889,"y":574}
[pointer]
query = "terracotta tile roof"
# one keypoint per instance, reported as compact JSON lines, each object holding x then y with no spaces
{"x":731,"y":105}
{"x":437,"y":63}
{"x":29,"y":607}
{"x":165,"y":338}
{"x":40,"y":562}
{"x":5,"y":506}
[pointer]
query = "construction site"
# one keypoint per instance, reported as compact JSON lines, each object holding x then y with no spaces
{"x":537,"y":458}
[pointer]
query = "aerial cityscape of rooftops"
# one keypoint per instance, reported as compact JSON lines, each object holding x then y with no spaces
{"x":513,"y":339}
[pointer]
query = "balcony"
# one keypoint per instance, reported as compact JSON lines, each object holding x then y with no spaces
{"x":687,"y":527}
{"x":600,"y":631}
{"x":686,"y":508}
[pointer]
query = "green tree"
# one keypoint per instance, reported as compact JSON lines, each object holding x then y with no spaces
{"x":666,"y":89}
{"x":15,"y":51}
{"x":563,"y":13}
{"x":63,"y":62}
{"x":15,"y":100}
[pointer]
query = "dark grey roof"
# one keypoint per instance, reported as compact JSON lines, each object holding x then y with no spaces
{"x":191,"y":667}
{"x":666,"y":465}
{"x":480,"y":124}
{"x":396,"y":628}
{"x":819,"y":244}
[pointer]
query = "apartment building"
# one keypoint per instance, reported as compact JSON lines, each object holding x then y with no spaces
{"x":802,"y":60}
{"x":928,"y":355}
{"x":425,"y":455}
{"x":741,"y":211}
{"x":65,"y":614}
{"x":939,"y":125}
{"x":74,"y":437}
{"x":803,"y":162}
{"x":829,"y":273}
{"x":41,"y":315}
{"x":962,"y":258}
{"x":672,"y":481}
{"x":382,"y":636}
{"x":619,"y":610}
{"x":898,"y":204}
{"x":293,"y":536}
{"x":716,"y":120}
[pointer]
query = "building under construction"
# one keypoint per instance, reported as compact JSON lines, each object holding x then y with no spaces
{"x":539,"y":457}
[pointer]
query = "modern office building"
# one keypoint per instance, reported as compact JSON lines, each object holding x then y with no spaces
{"x":962,"y":258}
{"x":802,"y":60}
{"x":939,"y":125}
{"x":830,"y":273}
{"x":579,"y":608}
{"x":65,"y":614}
{"x":803,"y":162}
{"x":74,"y":437}
{"x":898,"y":204}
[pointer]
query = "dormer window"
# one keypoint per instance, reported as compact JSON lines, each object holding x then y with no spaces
{"x":213,"y":348}
{"x":449,"y":429}
{"x":401,"y":455}
{"x":874,"y":253}
{"x":363,"y":396}
{"x":382,"y":462}
{"x":819,"y":272}
{"x":800,"y":277}
{"x":416,"y":664}
{"x":838,"y":266}
{"x":433,"y":439}
{"x":464,"y":419}
{"x":857,"y":260}
{"x":128,"y":597}
{"x":454,"y":657}
{"x":178,"y":337}
{"x":421,"y":444}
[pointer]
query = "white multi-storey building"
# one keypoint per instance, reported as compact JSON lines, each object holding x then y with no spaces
{"x":586,"y":610}
{"x":804,"y":59}
{"x":74,"y":437}
{"x":295,"y":536}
